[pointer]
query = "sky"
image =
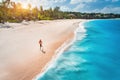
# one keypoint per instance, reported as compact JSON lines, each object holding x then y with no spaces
{"x":103,"y":6}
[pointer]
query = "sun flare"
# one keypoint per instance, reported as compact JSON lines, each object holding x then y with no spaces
{"x":24,"y":6}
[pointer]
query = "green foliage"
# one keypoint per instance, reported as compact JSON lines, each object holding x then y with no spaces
{"x":13,"y":12}
{"x":14,"y":21}
{"x":40,"y":17}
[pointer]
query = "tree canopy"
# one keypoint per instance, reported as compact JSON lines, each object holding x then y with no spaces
{"x":14,"y":12}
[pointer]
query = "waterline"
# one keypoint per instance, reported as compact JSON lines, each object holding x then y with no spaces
{"x":61,"y":49}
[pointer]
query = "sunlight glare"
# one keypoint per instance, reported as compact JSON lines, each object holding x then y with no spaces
{"x":24,"y":6}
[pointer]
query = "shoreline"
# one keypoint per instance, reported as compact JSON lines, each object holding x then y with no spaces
{"x":60,"y":50}
{"x":21,"y":59}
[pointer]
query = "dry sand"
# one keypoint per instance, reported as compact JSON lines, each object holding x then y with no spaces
{"x":20,"y":56}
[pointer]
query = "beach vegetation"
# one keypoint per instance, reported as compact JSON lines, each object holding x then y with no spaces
{"x":16,"y":12}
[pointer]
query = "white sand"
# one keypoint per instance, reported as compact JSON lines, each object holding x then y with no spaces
{"x":20,"y":56}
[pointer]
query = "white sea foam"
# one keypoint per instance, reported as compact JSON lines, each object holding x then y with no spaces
{"x":61,"y":49}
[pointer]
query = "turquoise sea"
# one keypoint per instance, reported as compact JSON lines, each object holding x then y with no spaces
{"x":94,"y":55}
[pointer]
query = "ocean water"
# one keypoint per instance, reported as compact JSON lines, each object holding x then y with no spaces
{"x":94,"y":55}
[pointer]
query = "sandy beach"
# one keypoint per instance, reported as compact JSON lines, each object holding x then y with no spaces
{"x":20,"y":55}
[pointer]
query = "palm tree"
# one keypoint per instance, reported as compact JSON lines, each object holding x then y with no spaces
{"x":29,"y":7}
{"x":35,"y":12}
{"x":14,"y":9}
{"x":56,"y":12}
{"x":4,"y":9}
